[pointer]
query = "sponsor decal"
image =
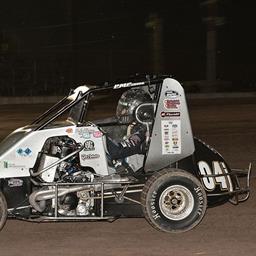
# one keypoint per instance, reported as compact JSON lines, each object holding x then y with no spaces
{"x":69,"y":131}
{"x":201,"y":200}
{"x":7,"y":165}
{"x":25,"y":152}
{"x":84,"y":133}
{"x":97,"y":134}
{"x":153,"y":207}
{"x":129,"y":84}
{"x":171,"y":137}
{"x":15,"y":183}
{"x":89,"y":145}
{"x":89,"y":156}
{"x":171,"y":104}
{"x":171,"y":94}
{"x":220,"y":170}
{"x":170,"y":114}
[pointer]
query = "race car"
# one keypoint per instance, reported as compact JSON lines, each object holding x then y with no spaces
{"x":121,"y":149}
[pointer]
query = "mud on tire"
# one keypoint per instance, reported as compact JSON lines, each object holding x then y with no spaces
{"x":173,"y":200}
{"x":3,"y":210}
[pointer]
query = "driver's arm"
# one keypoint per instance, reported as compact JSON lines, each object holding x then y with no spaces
{"x":127,"y":147}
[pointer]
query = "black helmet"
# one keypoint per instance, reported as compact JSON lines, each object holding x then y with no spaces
{"x":128,"y":103}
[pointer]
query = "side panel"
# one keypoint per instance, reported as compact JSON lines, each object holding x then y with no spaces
{"x":208,"y":162}
{"x":172,"y":138}
{"x":94,"y":154}
{"x":16,"y":191}
{"x":22,"y":156}
{"x":212,"y":170}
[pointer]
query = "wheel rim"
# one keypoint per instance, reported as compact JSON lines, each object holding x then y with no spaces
{"x":176,"y":202}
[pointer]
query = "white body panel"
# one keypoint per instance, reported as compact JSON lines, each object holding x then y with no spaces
{"x":49,"y":175}
{"x":94,"y":154}
{"x":21,"y":156}
{"x":172,"y":138}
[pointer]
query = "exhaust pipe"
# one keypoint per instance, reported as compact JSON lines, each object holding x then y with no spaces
{"x":37,"y":199}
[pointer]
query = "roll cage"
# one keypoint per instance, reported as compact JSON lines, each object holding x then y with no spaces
{"x":77,"y":100}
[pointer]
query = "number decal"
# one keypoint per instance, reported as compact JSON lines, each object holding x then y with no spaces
{"x":224,"y":168}
{"x":220,"y":170}
{"x":205,"y":169}
{"x":219,"y":179}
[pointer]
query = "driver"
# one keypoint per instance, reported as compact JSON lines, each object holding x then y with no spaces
{"x":135,"y":141}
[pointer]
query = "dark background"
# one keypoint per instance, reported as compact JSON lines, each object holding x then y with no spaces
{"x":46,"y":47}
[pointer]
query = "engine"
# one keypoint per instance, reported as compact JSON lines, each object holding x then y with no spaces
{"x":69,"y":170}
{"x":73,"y":199}
{"x":79,"y":203}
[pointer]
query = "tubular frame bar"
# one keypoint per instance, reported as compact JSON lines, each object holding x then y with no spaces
{"x":35,"y":174}
{"x":41,"y":117}
{"x":146,"y":81}
{"x":101,"y":198}
{"x":238,"y":191}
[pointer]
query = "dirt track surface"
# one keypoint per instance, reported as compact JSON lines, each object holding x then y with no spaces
{"x":229,"y":126}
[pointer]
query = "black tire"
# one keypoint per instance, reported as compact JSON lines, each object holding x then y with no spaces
{"x":173,"y":201}
{"x":3,"y":210}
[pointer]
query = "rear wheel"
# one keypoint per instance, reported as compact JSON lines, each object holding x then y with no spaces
{"x":3,"y":210}
{"x":173,"y":201}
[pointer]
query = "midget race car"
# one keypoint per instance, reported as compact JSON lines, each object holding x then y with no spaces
{"x":62,"y":168}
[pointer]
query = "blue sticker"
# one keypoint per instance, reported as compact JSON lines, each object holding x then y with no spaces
{"x":84,"y":133}
{"x":24,"y":152}
{"x":20,"y":151}
{"x":28,"y":151}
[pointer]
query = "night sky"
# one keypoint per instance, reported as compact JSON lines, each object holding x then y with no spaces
{"x":51,"y":45}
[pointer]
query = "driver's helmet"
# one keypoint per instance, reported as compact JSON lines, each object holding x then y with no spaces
{"x":128,"y":103}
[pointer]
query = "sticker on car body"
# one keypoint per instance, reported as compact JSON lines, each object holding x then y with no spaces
{"x":129,"y":84}
{"x":170,"y":114}
{"x":171,"y":137}
{"x":7,"y":165}
{"x":89,"y":145}
{"x":24,"y":152}
{"x":171,"y":94}
{"x":89,"y":156}
{"x":171,"y":104}
{"x":15,"y":183}
{"x":215,"y":175}
{"x":83,"y":133}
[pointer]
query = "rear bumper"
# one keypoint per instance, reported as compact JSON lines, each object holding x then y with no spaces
{"x":241,"y":185}
{"x":241,"y":193}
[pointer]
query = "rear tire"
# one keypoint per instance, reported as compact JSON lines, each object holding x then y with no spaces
{"x":3,"y":210}
{"x":173,"y":201}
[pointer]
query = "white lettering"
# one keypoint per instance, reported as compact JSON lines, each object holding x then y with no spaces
{"x":228,"y":176}
{"x":129,"y":84}
{"x":219,"y":169}
{"x":219,"y":179}
{"x":156,"y":216}
{"x":206,"y":170}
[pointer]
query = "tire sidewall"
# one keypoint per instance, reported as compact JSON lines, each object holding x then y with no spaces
{"x":3,"y":210}
{"x":157,"y":217}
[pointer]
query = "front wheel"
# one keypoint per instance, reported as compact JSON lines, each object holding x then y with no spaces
{"x":173,"y":201}
{"x":3,"y":210}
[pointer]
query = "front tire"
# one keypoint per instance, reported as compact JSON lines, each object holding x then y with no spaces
{"x":3,"y":210}
{"x":173,"y":201}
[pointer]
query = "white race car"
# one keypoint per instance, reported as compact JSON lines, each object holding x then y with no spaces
{"x":63,"y":166}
